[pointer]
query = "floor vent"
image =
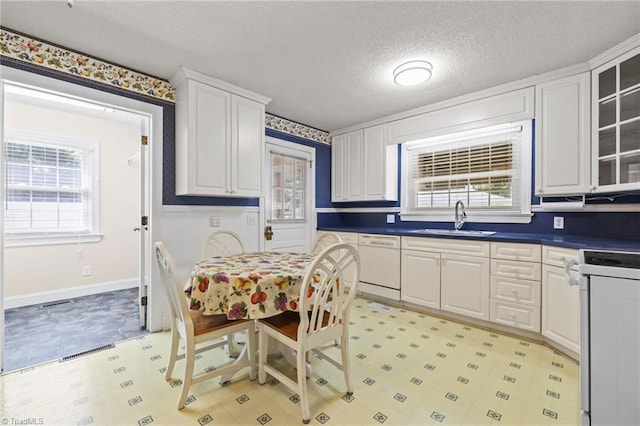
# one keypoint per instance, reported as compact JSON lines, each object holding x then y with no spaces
{"x":380,"y":307}
{"x":59,"y":302}
{"x":89,"y":352}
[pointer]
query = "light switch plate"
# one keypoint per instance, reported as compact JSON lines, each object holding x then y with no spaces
{"x":391,"y":218}
{"x":558,"y":222}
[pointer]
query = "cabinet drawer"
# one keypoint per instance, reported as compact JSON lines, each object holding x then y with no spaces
{"x":515,"y":315}
{"x":513,"y":290}
{"x":557,"y":256}
{"x":513,"y":269}
{"x":516,"y":251}
{"x":447,"y":245}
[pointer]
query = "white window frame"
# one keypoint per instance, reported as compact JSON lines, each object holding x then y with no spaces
{"x":521,"y":214}
{"x":91,"y":170}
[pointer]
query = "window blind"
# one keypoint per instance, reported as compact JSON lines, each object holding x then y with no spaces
{"x":481,"y":168}
{"x":47,"y":188}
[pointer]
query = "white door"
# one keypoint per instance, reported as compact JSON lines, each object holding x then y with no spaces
{"x":289,"y":203}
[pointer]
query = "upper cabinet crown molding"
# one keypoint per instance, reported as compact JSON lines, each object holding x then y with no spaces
{"x":615,"y":52}
{"x":184,"y":74}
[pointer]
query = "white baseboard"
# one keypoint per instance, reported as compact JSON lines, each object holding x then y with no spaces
{"x":67,"y":293}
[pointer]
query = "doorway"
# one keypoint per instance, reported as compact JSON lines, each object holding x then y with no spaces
{"x":140,"y":120}
{"x":289,"y":219}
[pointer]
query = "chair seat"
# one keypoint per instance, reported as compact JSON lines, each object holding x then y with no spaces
{"x":287,"y":323}
{"x":203,"y":324}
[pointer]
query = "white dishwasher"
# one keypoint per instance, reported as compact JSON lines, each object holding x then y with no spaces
{"x":380,"y":265}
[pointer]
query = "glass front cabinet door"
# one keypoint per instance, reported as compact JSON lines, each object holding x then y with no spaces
{"x":616,"y":124}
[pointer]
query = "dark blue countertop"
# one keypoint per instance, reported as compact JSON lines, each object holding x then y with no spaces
{"x":568,"y":241}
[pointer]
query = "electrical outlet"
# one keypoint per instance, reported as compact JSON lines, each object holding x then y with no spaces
{"x":86,"y":270}
{"x":391,"y":218}
{"x":558,"y":222}
{"x":251,"y":220}
{"x":214,"y":221}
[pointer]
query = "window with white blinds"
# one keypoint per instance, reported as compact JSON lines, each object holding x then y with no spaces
{"x":48,"y":186}
{"x":488,"y":169}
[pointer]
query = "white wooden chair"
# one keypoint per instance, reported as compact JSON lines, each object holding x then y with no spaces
{"x":321,"y":319}
{"x":324,"y":240}
{"x":195,"y":329}
{"x":222,"y":243}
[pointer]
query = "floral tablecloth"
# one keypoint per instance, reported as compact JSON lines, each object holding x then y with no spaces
{"x":248,"y":285}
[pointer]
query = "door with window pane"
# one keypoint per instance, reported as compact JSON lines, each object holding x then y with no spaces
{"x":287,"y":204}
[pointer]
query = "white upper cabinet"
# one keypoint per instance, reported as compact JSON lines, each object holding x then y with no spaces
{"x":354,"y":166}
{"x":563,"y":143}
{"x":219,"y":137}
{"x":616,"y":123}
{"x":363,"y":166}
{"x":380,"y":168}
{"x":346,"y":167}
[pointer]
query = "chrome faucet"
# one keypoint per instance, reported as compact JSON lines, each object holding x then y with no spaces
{"x":459,"y":216}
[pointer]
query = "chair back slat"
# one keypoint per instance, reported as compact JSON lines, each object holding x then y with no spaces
{"x":171,"y":283}
{"x":330,"y":269}
{"x":325,"y":240}
{"x":222,"y":243}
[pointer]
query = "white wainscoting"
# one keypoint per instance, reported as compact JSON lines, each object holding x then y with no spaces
{"x":185,"y":228}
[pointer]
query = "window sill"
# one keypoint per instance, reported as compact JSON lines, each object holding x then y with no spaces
{"x":46,"y":240}
{"x":475,"y":217}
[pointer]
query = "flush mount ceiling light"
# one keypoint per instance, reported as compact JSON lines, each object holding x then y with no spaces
{"x":412,"y":73}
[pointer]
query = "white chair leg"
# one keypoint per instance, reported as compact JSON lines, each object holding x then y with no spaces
{"x":252,"y":348}
{"x":346,"y":369}
{"x":188,"y":374}
{"x":173,"y":354}
{"x":262,"y":358}
{"x":302,"y":389}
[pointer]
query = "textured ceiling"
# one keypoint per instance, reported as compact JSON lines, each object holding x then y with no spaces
{"x":328,"y":64}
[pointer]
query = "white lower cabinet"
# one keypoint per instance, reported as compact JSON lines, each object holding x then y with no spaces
{"x":465,"y":285}
{"x":560,"y":301}
{"x":451,"y":275}
{"x":515,"y":285}
{"x":420,"y":283}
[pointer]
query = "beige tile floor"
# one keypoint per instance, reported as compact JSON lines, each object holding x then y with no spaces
{"x":408,"y":369}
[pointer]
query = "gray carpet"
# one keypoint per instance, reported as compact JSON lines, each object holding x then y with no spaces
{"x":40,"y":333}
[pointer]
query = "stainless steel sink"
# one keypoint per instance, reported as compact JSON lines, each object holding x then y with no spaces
{"x":454,"y":232}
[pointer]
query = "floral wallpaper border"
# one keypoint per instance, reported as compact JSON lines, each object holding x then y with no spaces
{"x":296,"y":129}
{"x":36,"y":52}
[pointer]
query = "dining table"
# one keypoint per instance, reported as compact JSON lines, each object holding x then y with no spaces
{"x":248,"y":285}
